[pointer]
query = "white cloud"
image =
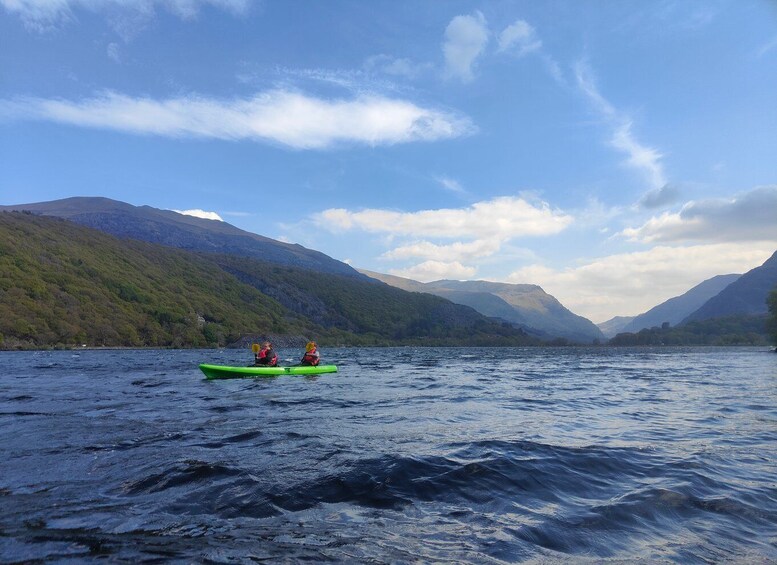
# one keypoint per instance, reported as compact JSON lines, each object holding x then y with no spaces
{"x":435,"y":270}
{"x":190,"y":8}
{"x":451,"y":185}
{"x":457,"y":251}
{"x":596,"y":215}
{"x":38,"y":14}
{"x":44,"y":14}
{"x":554,"y":69}
{"x":465,"y":39}
{"x":113,"y":52}
{"x":289,"y":118}
{"x":632,"y":283}
{"x":501,"y":218}
{"x":640,"y":157}
{"x":400,"y":67}
{"x":348,"y":79}
{"x":750,"y":216}
{"x":488,"y":226}
{"x":200,"y":214}
{"x":519,"y":38}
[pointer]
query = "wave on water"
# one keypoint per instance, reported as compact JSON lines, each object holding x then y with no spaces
{"x":569,"y":500}
{"x":403,"y":456}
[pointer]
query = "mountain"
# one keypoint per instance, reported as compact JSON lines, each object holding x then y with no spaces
{"x":524,"y":305}
{"x":745,"y":296}
{"x":731,"y":330}
{"x":614,"y":325}
{"x":676,"y":309}
{"x":62,"y":284}
{"x":172,"y":229}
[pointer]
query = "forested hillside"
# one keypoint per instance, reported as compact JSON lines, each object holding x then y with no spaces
{"x":62,"y":284}
{"x":730,"y":330}
{"x":371,"y":310}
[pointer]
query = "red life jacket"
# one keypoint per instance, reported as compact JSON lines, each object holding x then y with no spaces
{"x":311,"y":357}
{"x":273,"y":361}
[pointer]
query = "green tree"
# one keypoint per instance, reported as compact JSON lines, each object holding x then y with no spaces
{"x":771,"y":323}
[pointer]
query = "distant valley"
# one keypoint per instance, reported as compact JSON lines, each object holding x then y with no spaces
{"x":525,"y":305}
{"x":673,"y":311}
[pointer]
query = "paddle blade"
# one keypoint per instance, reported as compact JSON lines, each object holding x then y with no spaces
{"x":255,"y":347}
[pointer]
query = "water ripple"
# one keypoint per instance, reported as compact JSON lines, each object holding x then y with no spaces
{"x":405,"y":455}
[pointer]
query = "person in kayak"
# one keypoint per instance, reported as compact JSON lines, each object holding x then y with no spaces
{"x":312,"y":357}
{"x":266,"y":356}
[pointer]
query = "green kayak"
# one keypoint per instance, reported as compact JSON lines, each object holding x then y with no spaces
{"x":223,"y":372}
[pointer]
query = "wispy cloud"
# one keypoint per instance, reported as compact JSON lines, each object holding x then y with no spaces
{"x":768,"y":46}
{"x":632,"y":283}
{"x":435,"y":270}
{"x":457,"y":251}
{"x":396,"y":66}
{"x":451,"y":185}
{"x":642,"y":158}
{"x":466,"y":38}
{"x":670,"y":16}
{"x":352,"y":80}
{"x":465,"y":43}
{"x":200,"y":214}
{"x":285,"y":117}
{"x":113,"y":52}
{"x":750,"y":216}
{"x":41,"y":15}
{"x":503,"y":218}
{"x":519,"y":38}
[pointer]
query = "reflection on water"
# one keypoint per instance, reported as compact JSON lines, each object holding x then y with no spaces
{"x":404,"y":455}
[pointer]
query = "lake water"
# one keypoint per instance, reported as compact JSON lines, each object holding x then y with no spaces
{"x":406,"y":455}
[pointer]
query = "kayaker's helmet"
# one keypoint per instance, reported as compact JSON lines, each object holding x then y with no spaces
{"x":310,"y":346}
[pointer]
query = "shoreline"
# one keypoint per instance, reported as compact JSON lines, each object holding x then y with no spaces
{"x":771,"y":348}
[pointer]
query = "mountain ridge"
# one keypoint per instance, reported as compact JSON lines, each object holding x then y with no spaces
{"x":526,"y":305}
{"x":745,"y":296}
{"x":676,"y":309}
{"x":173,"y":229}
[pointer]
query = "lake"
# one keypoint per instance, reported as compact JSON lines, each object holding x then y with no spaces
{"x":406,"y":455}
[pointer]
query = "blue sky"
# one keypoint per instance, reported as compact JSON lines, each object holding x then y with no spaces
{"x":614,"y":152}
